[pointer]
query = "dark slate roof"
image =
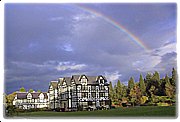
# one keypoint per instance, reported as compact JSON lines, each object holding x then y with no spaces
{"x":54,"y":84}
{"x":76,"y":78}
{"x":68,"y":80}
{"x":22,"y":95}
{"x":92,"y":79}
{"x":35,"y":95}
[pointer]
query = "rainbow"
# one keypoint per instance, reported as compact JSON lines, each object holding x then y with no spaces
{"x":115,"y":24}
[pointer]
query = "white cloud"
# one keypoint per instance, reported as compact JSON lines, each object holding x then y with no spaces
{"x":67,"y":47}
{"x":149,"y":60}
{"x":112,"y":76}
{"x":146,"y":63}
{"x":69,"y":66}
{"x":56,"y":18}
{"x":60,"y":66}
{"x":81,"y":17}
{"x":166,"y":49}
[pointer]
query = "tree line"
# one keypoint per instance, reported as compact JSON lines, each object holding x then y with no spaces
{"x":151,"y":90}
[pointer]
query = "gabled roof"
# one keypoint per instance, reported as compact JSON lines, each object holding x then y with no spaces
{"x":76,"y":78}
{"x":54,"y":84}
{"x":60,"y":80}
{"x":35,"y":95}
{"x":22,"y":95}
{"x":92,"y":80}
{"x":68,"y":80}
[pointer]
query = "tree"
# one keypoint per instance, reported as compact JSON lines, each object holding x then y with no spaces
{"x":115,"y":93}
{"x":135,"y":95}
{"x":22,"y":89}
{"x":156,"y":76}
{"x":166,"y":78}
{"x":131,"y":83}
{"x":119,"y":90}
{"x":38,"y":90}
{"x":111,"y":91}
{"x":169,"y":89}
{"x":31,"y":90}
{"x":148,"y":78}
{"x":174,"y":77}
{"x":10,"y":98}
{"x":142,"y":84}
{"x":124,"y":90}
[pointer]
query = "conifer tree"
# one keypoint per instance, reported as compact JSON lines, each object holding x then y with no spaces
{"x":142,"y":84}
{"x":111,"y":91}
{"x":169,"y":89}
{"x":119,"y":89}
{"x":131,"y":83}
{"x":174,"y":77}
{"x":115,"y":93}
{"x":148,"y":78}
{"x":166,"y":78}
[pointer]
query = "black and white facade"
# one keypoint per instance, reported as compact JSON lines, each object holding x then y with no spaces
{"x":79,"y":91}
{"x":28,"y":100}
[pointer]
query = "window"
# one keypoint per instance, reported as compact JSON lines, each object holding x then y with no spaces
{"x":93,"y":87}
{"x":102,"y":103}
{"x":84,"y":87}
{"x":101,"y":94}
{"x":90,"y":103}
{"x":101,"y":81}
{"x":93,"y":94}
{"x":84,"y":94}
{"x":84,"y":80}
{"x":101,"y":87}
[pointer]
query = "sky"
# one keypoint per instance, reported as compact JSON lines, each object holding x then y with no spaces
{"x":44,"y":42}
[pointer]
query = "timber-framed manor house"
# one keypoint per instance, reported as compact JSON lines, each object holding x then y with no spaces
{"x":79,"y":92}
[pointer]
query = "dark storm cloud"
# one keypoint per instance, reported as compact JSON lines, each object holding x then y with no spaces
{"x":46,"y":41}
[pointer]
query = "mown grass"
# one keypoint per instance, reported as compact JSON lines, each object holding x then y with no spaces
{"x":142,"y":111}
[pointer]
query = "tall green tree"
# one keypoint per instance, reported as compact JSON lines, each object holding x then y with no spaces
{"x":22,"y":89}
{"x":31,"y":90}
{"x":119,"y":89}
{"x":148,"y":78}
{"x":131,"y":83}
{"x":174,"y":77}
{"x":142,"y":84}
{"x":169,"y":89}
{"x":166,"y":79}
{"x":156,"y":76}
{"x":111,"y":91}
{"x":38,"y":90}
{"x":115,"y":93}
{"x":124,"y":90}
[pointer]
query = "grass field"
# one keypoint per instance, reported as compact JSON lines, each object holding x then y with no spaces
{"x":143,"y":111}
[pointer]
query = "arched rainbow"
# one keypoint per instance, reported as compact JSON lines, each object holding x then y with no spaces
{"x":117,"y":25}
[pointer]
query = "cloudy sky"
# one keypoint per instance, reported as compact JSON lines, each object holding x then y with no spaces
{"x":46,"y":41}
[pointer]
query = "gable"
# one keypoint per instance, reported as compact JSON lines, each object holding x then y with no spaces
{"x":29,"y":96}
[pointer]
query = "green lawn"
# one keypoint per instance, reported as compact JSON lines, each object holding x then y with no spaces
{"x":143,"y":111}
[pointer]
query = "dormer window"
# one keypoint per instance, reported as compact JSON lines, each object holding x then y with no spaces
{"x":29,"y":96}
{"x":64,"y":84}
{"x":101,"y":81}
{"x":83,"y":80}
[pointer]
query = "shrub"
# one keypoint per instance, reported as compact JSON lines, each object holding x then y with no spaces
{"x":162,"y":104}
{"x":80,"y":108}
{"x":143,"y":99}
